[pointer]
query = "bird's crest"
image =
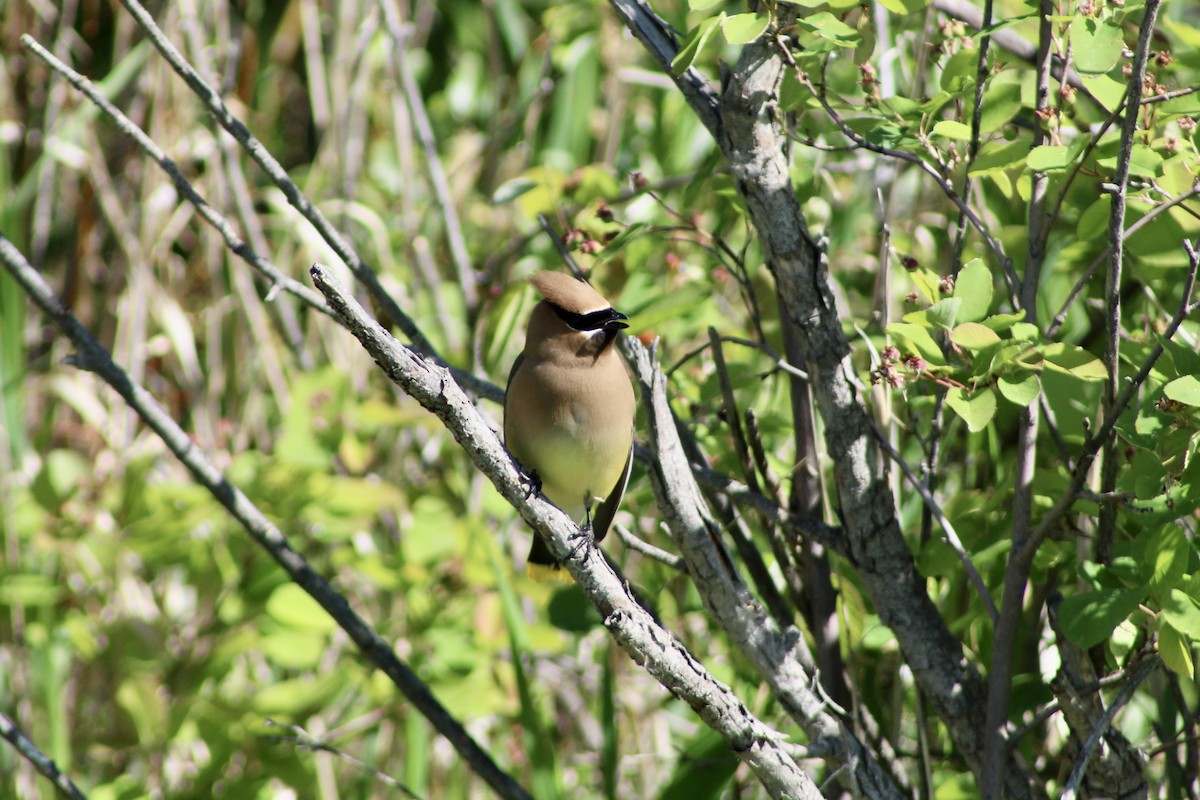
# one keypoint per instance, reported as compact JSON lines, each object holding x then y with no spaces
{"x":568,"y":293}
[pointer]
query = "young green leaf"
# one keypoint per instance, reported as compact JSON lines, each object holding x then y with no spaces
{"x":973,"y":287}
{"x":1074,"y":361}
{"x":973,"y":336}
{"x":697,"y":40}
{"x":975,"y":409}
{"x":1180,"y":609}
{"x":917,"y":338}
{"x":1175,"y":651}
{"x":744,"y":28}
{"x":951,"y":129}
{"x":1020,"y":390}
{"x":1184,"y":390}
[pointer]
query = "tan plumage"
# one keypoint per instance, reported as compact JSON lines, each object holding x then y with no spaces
{"x":568,"y":412}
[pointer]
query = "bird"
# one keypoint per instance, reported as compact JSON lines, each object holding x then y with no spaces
{"x":569,"y":409}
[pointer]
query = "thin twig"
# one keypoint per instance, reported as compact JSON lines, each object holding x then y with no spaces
{"x":263,"y":266}
{"x":639,"y":545}
{"x":302,"y":739}
{"x":947,"y":527}
{"x":1106,"y":527}
{"x":93,"y":357}
{"x":30,"y":751}
{"x":398,"y":35}
{"x":1123,"y":696}
{"x":267,"y":162}
{"x":992,"y":242}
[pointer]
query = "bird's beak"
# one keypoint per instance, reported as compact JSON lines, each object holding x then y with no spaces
{"x":614,"y":322}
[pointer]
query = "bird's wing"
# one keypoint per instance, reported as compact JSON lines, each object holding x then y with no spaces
{"x":608,"y":509}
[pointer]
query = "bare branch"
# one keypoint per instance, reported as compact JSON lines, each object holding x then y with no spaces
{"x":92,"y":356}
{"x":398,"y":36}
{"x":32,"y":753}
{"x":630,"y":624}
{"x":1113,"y":277}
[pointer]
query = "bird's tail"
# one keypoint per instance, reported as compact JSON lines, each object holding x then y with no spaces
{"x":542,"y":566}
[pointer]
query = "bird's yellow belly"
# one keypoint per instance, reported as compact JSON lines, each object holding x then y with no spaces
{"x":575,"y":469}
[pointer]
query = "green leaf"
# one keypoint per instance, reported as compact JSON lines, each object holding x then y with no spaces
{"x":1001,"y":102}
{"x":976,"y":409}
{"x":1021,"y":390}
{"x":1090,"y":618}
{"x":944,"y":312}
{"x":917,"y":338}
{"x":1174,"y":651}
{"x":697,"y":40}
{"x":1048,"y":158}
{"x":1097,"y":45}
{"x":830,"y":28}
{"x":1167,"y":551}
{"x":1003,"y":322}
{"x":950,"y":129}
{"x":973,"y":336}
{"x":703,"y":5}
{"x":703,"y":769}
{"x":1074,"y":361}
{"x":1093,"y":222}
{"x":744,"y":28}
{"x":1184,"y":390}
{"x":1143,"y":161}
{"x":999,"y":155}
{"x":570,"y":610}
{"x":1181,"y":611}
{"x":973,"y":287}
{"x":1185,"y":359}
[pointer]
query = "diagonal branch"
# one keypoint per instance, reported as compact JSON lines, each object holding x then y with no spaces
{"x":40,"y":761}
{"x":92,"y":356}
{"x":650,"y":645}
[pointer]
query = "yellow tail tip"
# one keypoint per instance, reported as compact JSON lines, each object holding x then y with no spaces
{"x":548,"y":572}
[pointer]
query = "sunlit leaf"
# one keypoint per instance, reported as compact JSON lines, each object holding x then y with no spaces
{"x":1097,"y":44}
{"x":1089,"y":618}
{"x":951,"y":129}
{"x":975,"y":409}
{"x":1074,"y":361}
{"x":973,"y":288}
{"x":1175,"y":651}
{"x":1180,"y":609}
{"x":1184,"y":390}
{"x":1021,"y":390}
{"x":973,"y":336}
{"x":744,"y":28}
{"x":830,"y":28}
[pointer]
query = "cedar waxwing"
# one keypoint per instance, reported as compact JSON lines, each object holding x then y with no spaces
{"x":569,"y":408}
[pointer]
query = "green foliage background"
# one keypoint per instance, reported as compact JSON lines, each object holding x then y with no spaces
{"x":151,"y":649}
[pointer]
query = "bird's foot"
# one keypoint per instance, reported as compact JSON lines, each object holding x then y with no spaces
{"x":533,"y":483}
{"x":583,"y":539}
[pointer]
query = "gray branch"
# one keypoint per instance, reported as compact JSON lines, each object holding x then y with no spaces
{"x":649,"y":644}
{"x":755,"y":147}
{"x":780,"y":655}
{"x":40,"y":761}
{"x":92,"y":356}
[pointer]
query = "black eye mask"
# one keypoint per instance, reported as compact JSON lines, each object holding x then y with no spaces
{"x":604,"y":319}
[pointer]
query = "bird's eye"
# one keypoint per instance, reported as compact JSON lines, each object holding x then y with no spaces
{"x":596,"y":320}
